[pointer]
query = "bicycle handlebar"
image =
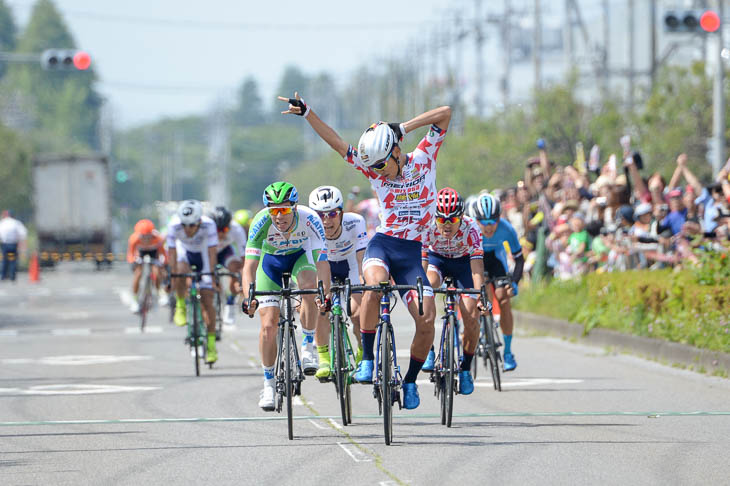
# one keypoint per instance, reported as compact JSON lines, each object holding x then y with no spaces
{"x":385,"y":287}
{"x":252,"y":292}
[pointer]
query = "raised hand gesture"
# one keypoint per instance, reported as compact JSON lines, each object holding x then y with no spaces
{"x":296,"y":105}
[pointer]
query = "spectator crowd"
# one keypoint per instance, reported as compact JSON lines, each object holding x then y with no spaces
{"x":586,"y":217}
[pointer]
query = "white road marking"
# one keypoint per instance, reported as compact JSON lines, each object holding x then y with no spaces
{"x":76,"y":389}
{"x":320,"y":427}
{"x":335,"y":424}
{"x":356,"y":454}
{"x":8,"y":332}
{"x":147,"y":330}
{"x":80,"y":291}
{"x":299,"y":401}
{"x":75,"y":360}
{"x":72,"y":315}
{"x":235,"y":347}
{"x":125,"y":295}
{"x":70,"y":332}
{"x":38,"y":291}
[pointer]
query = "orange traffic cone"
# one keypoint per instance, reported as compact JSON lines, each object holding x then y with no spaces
{"x":34,"y":269}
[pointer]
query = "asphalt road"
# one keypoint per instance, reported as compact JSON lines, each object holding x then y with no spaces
{"x":86,"y":399}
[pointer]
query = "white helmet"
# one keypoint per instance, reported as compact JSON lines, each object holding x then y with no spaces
{"x":326,"y":198}
{"x":376,"y":144}
{"x":190,"y":211}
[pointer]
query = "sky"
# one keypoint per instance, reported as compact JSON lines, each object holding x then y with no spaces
{"x":160,"y":58}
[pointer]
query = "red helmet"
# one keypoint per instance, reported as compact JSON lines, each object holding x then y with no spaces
{"x":449,"y":203}
{"x":144,"y":227}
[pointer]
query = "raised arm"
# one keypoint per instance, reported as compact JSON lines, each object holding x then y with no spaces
{"x":681,"y":160}
{"x":325,"y":132}
{"x":441,"y":117}
{"x":692,"y":180}
{"x":722,"y":178}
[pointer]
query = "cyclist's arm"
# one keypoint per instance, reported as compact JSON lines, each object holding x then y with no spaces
{"x":519,"y":266}
{"x":132,"y":248}
{"x":441,"y":117}
{"x":172,"y":254}
{"x":248,"y":275}
{"x":360,"y":254}
{"x":323,"y":274}
{"x":477,"y":271}
{"x":213,"y":256}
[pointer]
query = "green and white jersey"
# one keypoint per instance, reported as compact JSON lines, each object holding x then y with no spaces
{"x":307,"y":235}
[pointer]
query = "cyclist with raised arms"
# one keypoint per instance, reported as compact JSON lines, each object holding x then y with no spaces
{"x":284,"y":237}
{"x":231,"y":248}
{"x":453,"y":248}
{"x":346,"y":239}
{"x":192,"y":240}
{"x":486,"y":210}
{"x":405,"y":185}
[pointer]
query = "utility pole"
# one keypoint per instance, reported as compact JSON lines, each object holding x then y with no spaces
{"x":606,"y":49}
{"x":632,"y":66}
{"x":506,"y":35}
{"x":568,"y":35}
{"x":652,"y":21}
{"x":218,"y":159}
{"x":537,"y":46}
{"x":718,"y":98}
{"x":478,"y":41}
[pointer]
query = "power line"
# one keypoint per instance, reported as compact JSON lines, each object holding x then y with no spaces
{"x":238,"y":26}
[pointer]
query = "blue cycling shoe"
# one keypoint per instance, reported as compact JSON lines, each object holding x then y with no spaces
{"x":411,"y":399}
{"x":466,"y":383}
{"x":509,"y":362}
{"x":364,"y":372}
{"x":430,"y":360}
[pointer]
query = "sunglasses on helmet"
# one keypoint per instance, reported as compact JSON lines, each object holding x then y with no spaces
{"x":449,"y":219}
{"x":328,"y":214}
{"x":275,"y":211}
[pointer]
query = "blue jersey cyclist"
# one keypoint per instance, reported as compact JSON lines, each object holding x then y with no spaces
{"x":346,"y":239}
{"x":453,"y":248}
{"x":405,"y":185}
{"x":486,"y":210}
{"x":284,"y":238}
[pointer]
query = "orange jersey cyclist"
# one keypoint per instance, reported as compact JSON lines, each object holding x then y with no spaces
{"x":145,"y":241}
{"x":405,"y":184}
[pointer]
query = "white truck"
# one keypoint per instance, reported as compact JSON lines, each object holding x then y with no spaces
{"x":72,"y":205}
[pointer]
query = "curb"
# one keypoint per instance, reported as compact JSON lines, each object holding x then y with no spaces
{"x":664,"y":352}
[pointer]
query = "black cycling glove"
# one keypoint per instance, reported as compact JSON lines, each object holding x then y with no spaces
{"x":299,"y":103}
{"x":399,"y":130}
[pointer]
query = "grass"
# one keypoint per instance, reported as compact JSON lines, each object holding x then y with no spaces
{"x":684,"y":307}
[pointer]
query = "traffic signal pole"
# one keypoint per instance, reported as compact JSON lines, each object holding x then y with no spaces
{"x":718,"y":98}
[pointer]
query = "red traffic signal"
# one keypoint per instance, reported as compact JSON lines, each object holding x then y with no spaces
{"x":65,"y":60}
{"x":82,"y":60}
{"x":710,"y":21}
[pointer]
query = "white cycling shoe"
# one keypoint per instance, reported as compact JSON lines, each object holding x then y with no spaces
{"x":134,"y":307}
{"x":267,"y":398}
{"x":310,"y":361}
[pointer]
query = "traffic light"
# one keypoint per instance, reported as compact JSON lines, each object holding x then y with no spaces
{"x":65,"y":60}
{"x":691,"y":21}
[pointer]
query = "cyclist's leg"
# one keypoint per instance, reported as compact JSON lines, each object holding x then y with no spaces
{"x":376,"y":269}
{"x":136,"y":277}
{"x":268,"y":278}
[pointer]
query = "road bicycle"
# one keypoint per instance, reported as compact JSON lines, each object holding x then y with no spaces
{"x":489,"y":340}
{"x":387,"y":379}
{"x":288,"y":368}
{"x":448,"y":360}
{"x":197,"y":335}
{"x":220,"y":298}
{"x":342,"y":356}
{"x":144,"y":295}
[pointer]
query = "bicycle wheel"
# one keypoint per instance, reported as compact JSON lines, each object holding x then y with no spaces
{"x":386,"y":386}
{"x":492,"y":353}
{"x":339,"y":361}
{"x":288,"y":385}
{"x":218,"y":318}
{"x":450,"y":370}
{"x":144,"y":303}
{"x":195,"y":335}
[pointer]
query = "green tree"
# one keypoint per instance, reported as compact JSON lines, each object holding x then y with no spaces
{"x":64,"y":105}
{"x":15,"y":164}
{"x":249,"y":110}
{"x":8,"y":32}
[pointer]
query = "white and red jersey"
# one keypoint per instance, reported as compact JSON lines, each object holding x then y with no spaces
{"x":407,"y":203}
{"x":466,"y":241}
